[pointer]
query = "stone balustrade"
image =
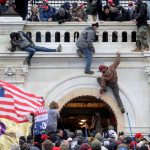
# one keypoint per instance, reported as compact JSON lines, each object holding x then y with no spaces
{"x":111,"y":36}
{"x":118,"y":34}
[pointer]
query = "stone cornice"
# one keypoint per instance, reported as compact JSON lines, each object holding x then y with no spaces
{"x":71,"y":54}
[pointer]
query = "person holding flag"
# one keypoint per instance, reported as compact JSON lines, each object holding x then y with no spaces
{"x":15,"y":105}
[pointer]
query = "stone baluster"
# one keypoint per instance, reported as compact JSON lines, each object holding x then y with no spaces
{"x":53,"y":36}
{"x":43,"y":36}
{"x":129,"y":36}
{"x":110,"y":36}
{"x":62,"y":36}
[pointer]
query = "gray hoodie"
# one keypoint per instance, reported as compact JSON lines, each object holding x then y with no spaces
{"x":53,"y":116}
{"x":86,"y":39}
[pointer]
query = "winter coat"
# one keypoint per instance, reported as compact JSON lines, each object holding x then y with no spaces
{"x":141,"y":14}
{"x":78,"y":14}
{"x":53,"y":116}
{"x":121,"y":14}
{"x":33,"y":17}
{"x":86,"y":39}
{"x":94,"y":7}
{"x":23,"y":42}
{"x":107,"y":17}
{"x":58,"y":17}
{"x":46,"y":14}
{"x":110,"y":76}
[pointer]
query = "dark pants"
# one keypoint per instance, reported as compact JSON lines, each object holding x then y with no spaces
{"x":22,"y":8}
{"x":115,"y":89}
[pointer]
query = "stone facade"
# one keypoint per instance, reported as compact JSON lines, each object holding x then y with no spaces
{"x":59,"y":76}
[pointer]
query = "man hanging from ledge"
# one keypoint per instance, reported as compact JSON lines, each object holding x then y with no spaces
{"x":21,"y":40}
{"x":109,"y":78}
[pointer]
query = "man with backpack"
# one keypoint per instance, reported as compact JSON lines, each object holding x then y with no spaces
{"x":85,"y":46}
{"x":21,"y":40}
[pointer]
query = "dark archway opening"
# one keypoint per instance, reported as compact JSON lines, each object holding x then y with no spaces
{"x":83,"y":108}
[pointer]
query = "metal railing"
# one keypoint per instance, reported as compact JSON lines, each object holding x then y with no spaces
{"x":58,"y":3}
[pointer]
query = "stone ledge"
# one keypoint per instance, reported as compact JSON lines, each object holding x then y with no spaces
{"x":21,"y":54}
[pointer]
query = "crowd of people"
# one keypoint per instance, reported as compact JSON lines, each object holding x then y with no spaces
{"x":93,"y":138}
{"x":89,"y":11}
{"x":68,"y":140}
{"x":62,"y":139}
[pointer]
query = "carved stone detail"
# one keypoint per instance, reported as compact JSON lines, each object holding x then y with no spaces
{"x":147,"y":71}
{"x":13,"y":73}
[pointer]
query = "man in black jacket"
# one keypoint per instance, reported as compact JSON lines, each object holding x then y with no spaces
{"x":140,"y":18}
{"x":21,"y":40}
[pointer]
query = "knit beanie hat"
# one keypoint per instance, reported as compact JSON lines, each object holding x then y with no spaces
{"x":96,"y":144}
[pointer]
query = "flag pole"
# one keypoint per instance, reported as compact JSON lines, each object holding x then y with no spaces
{"x":33,"y":124}
{"x":131,"y":131}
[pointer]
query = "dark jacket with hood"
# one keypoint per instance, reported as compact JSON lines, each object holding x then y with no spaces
{"x":86,"y":39}
{"x":141,"y":13}
{"x":94,"y":7}
{"x":21,"y":40}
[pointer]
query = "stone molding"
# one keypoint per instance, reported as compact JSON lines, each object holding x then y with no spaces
{"x":13,"y":73}
{"x":143,"y":130}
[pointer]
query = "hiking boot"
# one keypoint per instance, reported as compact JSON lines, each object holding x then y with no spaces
{"x":11,"y":49}
{"x":122,"y":110}
{"x":27,"y":62}
{"x":88,"y":72}
{"x":79,"y":53}
{"x":136,"y":50}
{"x":59,"y":48}
{"x":145,"y":49}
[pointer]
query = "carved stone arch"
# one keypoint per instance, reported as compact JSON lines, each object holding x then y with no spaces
{"x":93,"y":92}
{"x":74,"y":86}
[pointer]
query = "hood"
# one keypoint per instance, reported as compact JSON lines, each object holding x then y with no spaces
{"x":51,"y":111}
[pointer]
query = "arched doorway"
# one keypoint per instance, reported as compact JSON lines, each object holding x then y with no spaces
{"x":79,"y":110}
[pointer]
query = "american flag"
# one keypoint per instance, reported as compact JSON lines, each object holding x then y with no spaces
{"x":16,"y":103}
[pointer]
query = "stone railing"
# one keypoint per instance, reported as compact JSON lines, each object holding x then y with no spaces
{"x":111,"y":36}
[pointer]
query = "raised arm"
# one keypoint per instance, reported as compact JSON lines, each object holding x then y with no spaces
{"x":117,"y":61}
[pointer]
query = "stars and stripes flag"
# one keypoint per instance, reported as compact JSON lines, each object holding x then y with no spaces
{"x":16,"y":103}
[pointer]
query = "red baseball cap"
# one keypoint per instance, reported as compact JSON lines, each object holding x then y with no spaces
{"x":45,"y":1}
{"x":102,"y":67}
{"x":44,"y":137}
{"x":138,"y":135}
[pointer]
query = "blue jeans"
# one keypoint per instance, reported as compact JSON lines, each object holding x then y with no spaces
{"x":32,"y":49}
{"x":2,"y":8}
{"x":88,"y":57}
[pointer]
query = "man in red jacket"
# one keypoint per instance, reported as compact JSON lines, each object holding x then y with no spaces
{"x":109,"y":78}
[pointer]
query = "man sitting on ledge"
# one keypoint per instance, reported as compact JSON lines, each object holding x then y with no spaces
{"x":21,"y":40}
{"x":109,"y":78}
